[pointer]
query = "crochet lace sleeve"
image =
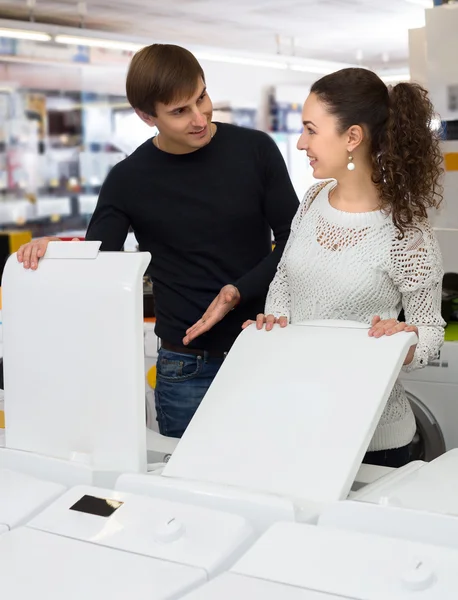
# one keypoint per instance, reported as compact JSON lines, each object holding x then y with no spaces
{"x":278,"y":301}
{"x":418,"y":271}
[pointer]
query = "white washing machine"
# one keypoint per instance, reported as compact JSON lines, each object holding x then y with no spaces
{"x":305,"y":562}
{"x":259,"y":445}
{"x":418,"y":502}
{"x":433,"y":394}
{"x":94,"y":543}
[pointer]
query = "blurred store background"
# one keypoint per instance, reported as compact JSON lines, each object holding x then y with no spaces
{"x":65,"y":120}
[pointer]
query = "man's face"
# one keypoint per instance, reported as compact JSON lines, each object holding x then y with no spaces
{"x":184,"y":126}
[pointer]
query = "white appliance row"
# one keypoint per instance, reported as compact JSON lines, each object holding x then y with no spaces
{"x":257,"y":496}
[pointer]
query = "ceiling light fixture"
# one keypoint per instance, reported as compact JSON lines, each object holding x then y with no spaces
{"x":394,"y":77}
{"x":24,"y":34}
{"x":241,"y":60}
{"x":422,"y":3}
{"x":97,"y":43}
{"x":317,"y":69}
{"x":283,"y":62}
{"x":278,"y":62}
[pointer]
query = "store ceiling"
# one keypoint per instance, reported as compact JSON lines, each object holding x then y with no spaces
{"x":367,"y":31}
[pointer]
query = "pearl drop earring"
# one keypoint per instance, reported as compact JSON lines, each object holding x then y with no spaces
{"x":351,"y":164}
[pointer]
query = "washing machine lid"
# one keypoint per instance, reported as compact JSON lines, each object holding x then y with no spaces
{"x":347,"y":564}
{"x":230,"y":585}
{"x":391,"y":521}
{"x":292,"y":411}
{"x":23,"y":496}
{"x":98,"y":288}
{"x":426,"y":486}
{"x":189,"y":535}
{"x":36,"y":564}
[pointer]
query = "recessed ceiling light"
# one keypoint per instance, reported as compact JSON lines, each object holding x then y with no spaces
{"x":395,"y":77}
{"x":97,"y":43}
{"x":241,"y":60}
{"x":422,"y":3}
{"x":24,"y":34}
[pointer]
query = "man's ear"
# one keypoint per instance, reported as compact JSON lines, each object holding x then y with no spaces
{"x":146,"y":118}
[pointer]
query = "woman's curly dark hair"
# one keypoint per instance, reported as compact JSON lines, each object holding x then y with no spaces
{"x":406,"y":155}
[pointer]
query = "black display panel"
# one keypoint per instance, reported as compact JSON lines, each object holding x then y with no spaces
{"x":101,"y":507}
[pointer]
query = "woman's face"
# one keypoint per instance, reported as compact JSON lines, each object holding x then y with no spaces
{"x":326,"y":148}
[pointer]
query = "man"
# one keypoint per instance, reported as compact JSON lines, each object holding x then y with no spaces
{"x":202,"y":197}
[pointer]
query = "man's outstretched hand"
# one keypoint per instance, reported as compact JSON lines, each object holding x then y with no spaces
{"x":224,"y":302}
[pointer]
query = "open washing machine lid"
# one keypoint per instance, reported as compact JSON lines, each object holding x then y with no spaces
{"x":307,"y":562}
{"x":94,"y":543}
{"x":99,"y":287}
{"x":296,"y":421}
{"x":22,"y":497}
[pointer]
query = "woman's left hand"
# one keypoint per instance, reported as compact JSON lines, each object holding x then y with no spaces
{"x":389,"y":327}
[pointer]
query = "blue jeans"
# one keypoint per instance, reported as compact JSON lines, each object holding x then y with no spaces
{"x":181,"y":383}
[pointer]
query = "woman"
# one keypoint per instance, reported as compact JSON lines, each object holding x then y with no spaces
{"x":361,"y":246}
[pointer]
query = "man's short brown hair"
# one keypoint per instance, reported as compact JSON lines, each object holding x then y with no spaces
{"x":161,"y":73}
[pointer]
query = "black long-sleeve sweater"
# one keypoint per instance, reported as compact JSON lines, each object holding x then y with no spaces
{"x":206,"y":218}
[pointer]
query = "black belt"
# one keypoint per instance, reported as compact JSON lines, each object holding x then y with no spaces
{"x":194,"y":351}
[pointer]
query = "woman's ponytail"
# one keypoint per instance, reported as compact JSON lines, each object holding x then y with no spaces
{"x":410,"y":158}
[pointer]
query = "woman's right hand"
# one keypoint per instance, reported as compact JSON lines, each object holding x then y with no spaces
{"x":268,"y":320}
{"x":29,"y":254}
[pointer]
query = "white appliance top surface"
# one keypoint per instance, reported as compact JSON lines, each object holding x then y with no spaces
{"x":351,"y":565}
{"x":272,"y":421}
{"x":189,"y":535}
{"x":390,"y":521}
{"x":34,"y":564}
{"x":22,"y":496}
{"x":230,"y":586}
{"x":432,"y":487}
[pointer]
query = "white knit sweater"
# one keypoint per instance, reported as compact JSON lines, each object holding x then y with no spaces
{"x":339,"y":265}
